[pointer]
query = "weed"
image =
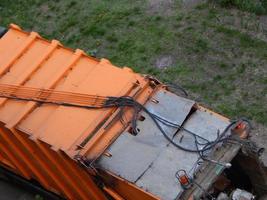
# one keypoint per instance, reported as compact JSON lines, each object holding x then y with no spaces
{"x":202,"y":6}
{"x":227,"y":31}
{"x":257,"y":7}
{"x":131,"y":23}
{"x":38,"y":197}
{"x":112,"y":38}
{"x":217,"y":78}
{"x":178,"y":17}
{"x":201,"y":46}
{"x":241,"y":69}
{"x":71,"y":4}
{"x":223,"y":65}
{"x":94,"y":30}
{"x":246,"y":41}
{"x":212,"y":13}
{"x":158,"y":18}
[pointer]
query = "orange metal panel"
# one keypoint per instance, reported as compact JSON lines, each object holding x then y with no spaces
{"x":5,"y":161}
{"x":35,"y":167}
{"x":127,"y":190}
{"x":11,"y":58}
{"x":39,"y":51}
{"x":15,"y":152}
{"x":37,"y":156}
{"x":43,"y":141}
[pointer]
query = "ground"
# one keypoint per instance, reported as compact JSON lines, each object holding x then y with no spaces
{"x":219,"y":55}
{"x":10,"y":192}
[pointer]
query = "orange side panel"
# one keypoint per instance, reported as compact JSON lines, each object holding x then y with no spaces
{"x":125,"y":189}
{"x":54,"y":170}
{"x":43,"y":141}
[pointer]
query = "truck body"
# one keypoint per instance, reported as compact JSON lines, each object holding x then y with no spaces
{"x":85,"y":129}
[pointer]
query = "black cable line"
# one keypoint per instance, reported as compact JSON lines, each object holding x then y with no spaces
{"x":126,"y":101}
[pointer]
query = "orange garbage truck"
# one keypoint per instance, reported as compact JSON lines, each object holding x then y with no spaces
{"x":84,"y":129}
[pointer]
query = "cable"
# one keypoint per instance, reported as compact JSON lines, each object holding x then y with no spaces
{"x":99,"y":102}
{"x":177,"y":87}
{"x":130,"y":102}
{"x":207,"y":145}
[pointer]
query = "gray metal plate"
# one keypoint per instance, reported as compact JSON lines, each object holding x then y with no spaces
{"x":205,"y":125}
{"x":148,"y":159}
{"x":131,"y":155}
{"x":159,"y":179}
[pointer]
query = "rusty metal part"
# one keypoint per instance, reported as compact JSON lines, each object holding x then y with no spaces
{"x":241,"y":129}
{"x":221,"y":183}
{"x":209,"y":172}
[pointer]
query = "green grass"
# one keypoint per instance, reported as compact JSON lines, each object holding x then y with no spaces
{"x":220,"y":64}
{"x":258,"y":7}
{"x":245,"y":40}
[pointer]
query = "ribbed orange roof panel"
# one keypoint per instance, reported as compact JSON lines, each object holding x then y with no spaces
{"x":44,"y":141}
{"x":29,"y":60}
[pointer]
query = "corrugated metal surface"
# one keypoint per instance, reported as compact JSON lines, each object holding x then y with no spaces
{"x":40,"y":141}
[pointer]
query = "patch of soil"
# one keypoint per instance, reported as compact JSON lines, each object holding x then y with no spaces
{"x":161,"y":7}
{"x":44,"y":8}
{"x":164,"y":62}
{"x":263,"y":21}
{"x":167,"y":7}
{"x":255,"y":26}
{"x":192,"y":3}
